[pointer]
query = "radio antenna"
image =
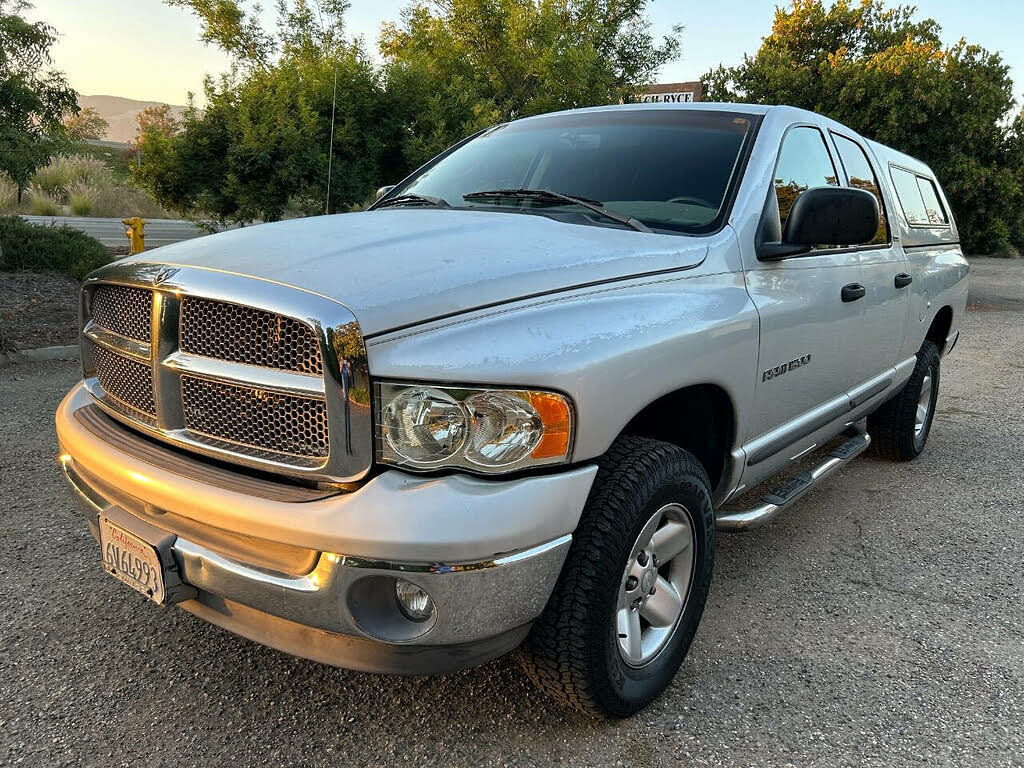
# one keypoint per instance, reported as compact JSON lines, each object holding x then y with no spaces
{"x":330,"y":148}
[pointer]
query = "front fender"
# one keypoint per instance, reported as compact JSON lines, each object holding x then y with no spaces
{"x":613,"y":349}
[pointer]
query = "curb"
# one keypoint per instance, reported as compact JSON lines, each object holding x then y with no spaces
{"x":40,"y":355}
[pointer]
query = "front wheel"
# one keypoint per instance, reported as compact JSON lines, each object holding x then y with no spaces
{"x":634,"y":583}
{"x":899,"y":428}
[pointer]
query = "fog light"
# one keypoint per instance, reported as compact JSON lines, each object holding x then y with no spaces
{"x":413,"y":601}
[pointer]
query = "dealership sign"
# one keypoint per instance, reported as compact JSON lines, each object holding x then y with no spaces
{"x":672,"y":93}
{"x":668,"y":98}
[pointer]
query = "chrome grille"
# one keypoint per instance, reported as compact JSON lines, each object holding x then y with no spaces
{"x":127,"y":381}
{"x":124,"y":310}
{"x":236,"y":368}
{"x":246,"y":335}
{"x":268,"y":421}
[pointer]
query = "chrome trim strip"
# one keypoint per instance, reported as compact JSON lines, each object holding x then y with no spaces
{"x":243,"y":374}
{"x":197,"y":558}
{"x":115,"y":342}
{"x":497,"y":562}
{"x":782,"y":437}
{"x":80,"y":487}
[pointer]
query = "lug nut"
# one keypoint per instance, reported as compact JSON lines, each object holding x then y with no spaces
{"x":631,"y":583}
{"x":641,"y":557}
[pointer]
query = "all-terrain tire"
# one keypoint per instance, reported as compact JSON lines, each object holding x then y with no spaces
{"x":572,"y":652}
{"x":894,"y":426}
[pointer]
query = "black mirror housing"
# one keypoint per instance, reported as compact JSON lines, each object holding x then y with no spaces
{"x":836,"y":216}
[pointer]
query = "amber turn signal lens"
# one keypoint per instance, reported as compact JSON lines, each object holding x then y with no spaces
{"x":554,"y":414}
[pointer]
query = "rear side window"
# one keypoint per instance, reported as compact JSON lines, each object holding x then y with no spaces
{"x":804,"y":162}
{"x":862,"y":176}
{"x":918,"y":198}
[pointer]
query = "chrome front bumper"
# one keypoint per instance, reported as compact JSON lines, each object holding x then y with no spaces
{"x":483,"y":605}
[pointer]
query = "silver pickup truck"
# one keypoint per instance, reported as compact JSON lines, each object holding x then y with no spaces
{"x":511,"y":404}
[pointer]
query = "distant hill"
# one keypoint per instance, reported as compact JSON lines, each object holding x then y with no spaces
{"x":120,"y":114}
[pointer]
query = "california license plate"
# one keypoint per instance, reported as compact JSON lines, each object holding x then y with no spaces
{"x":132,"y":560}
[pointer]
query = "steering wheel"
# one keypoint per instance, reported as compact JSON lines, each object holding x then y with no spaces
{"x":688,"y":200}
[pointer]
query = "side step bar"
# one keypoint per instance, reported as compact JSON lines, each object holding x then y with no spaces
{"x":792,"y":489}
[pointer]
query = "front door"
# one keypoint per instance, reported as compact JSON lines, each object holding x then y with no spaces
{"x":812,"y":340}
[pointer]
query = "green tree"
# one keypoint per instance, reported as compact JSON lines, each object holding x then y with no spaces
{"x":886,"y":74}
{"x":34,"y":98}
{"x":263,"y":145}
{"x":86,"y":124}
{"x":454,"y":66}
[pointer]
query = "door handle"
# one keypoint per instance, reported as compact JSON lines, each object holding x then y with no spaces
{"x":853,"y":291}
{"x":902,"y":280}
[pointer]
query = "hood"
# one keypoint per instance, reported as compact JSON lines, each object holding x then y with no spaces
{"x":398,"y":267}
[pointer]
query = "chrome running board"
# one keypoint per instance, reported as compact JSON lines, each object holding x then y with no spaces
{"x":792,"y":489}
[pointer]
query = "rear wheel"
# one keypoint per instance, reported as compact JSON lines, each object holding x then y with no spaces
{"x":899,"y":428}
{"x":634,"y":583}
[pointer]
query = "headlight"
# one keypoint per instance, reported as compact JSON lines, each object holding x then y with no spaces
{"x":485,"y":430}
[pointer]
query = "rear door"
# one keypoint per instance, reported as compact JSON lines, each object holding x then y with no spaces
{"x":884,"y":269}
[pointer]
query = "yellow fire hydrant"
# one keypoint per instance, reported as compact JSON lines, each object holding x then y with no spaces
{"x":135,"y":231}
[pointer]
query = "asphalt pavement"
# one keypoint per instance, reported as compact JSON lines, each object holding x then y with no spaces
{"x":110,"y":232}
{"x":878,"y":622}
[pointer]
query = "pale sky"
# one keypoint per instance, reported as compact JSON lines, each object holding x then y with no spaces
{"x":143,"y":49}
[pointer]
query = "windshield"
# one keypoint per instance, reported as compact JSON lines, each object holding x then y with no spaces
{"x":670,"y":169}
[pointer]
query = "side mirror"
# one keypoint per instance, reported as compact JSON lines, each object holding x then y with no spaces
{"x":838,"y":216}
{"x":384,"y":190}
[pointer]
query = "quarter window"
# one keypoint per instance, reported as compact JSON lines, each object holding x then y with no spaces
{"x":804,"y":162}
{"x":919,"y":199}
{"x":862,"y":176}
{"x":932,"y":207}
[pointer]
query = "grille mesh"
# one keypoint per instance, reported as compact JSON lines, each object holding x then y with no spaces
{"x":245,"y":335}
{"x":264,"y":420}
{"x":123,"y":310}
{"x":127,"y":381}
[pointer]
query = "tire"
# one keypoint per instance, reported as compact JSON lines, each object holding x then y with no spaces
{"x":573,"y":652}
{"x":897,"y":431}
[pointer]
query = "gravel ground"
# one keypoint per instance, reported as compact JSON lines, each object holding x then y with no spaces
{"x":37,"y":310}
{"x":877,"y":623}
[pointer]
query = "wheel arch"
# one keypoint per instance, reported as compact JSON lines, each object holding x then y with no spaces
{"x":939,"y":330}
{"x":699,"y":418}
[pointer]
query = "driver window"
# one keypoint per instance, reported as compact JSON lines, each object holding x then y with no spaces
{"x":804,"y":162}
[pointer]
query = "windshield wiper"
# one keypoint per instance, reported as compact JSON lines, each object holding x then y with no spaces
{"x":411,"y":198}
{"x":557,"y":198}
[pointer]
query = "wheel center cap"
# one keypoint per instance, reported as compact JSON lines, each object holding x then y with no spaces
{"x":647,"y":581}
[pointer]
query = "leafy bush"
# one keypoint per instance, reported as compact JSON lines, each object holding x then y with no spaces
{"x":41,"y":203}
{"x":42,"y":248}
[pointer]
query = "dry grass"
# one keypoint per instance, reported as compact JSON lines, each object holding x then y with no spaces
{"x":121,"y":202}
{"x":83,"y":184}
{"x":82,"y":198}
{"x":62,"y":173}
{"x":8,"y":194}
{"x":42,"y":203}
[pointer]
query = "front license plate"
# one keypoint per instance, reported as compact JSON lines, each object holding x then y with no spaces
{"x":131,"y":560}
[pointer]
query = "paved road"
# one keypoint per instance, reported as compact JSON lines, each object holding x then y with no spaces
{"x":877,"y":623}
{"x":110,"y":232}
